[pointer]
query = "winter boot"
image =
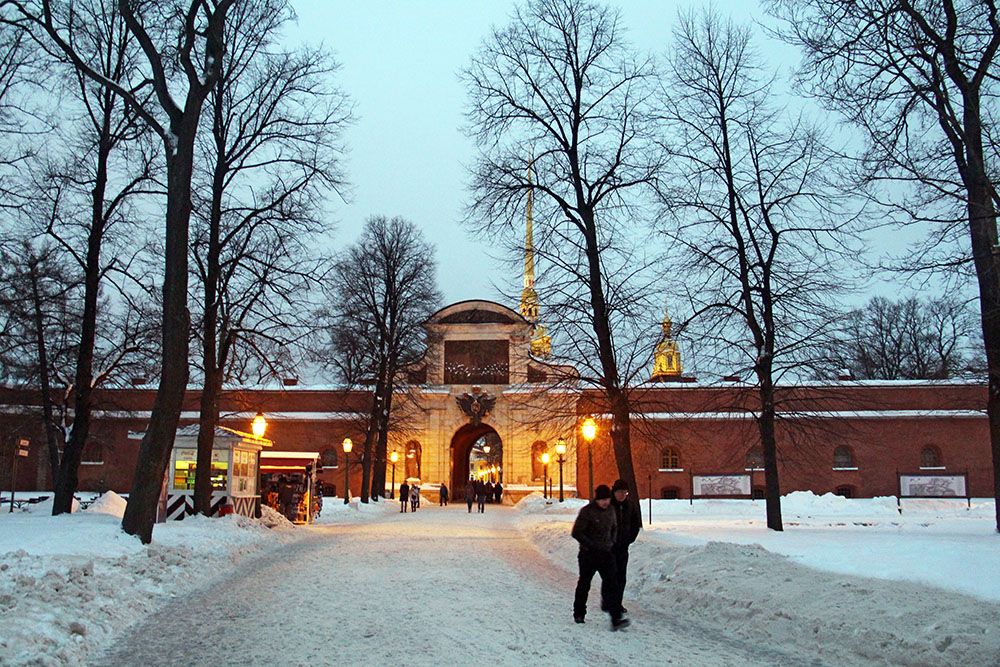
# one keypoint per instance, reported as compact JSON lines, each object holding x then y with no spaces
{"x":620,"y":624}
{"x":578,"y":619}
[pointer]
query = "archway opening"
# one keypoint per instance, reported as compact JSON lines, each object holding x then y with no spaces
{"x":476,"y":450}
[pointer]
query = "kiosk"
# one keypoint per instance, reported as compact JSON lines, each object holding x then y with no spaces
{"x":288,"y":484}
{"x":235,"y":459}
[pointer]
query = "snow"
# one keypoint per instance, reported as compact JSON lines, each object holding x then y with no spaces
{"x":848,"y":582}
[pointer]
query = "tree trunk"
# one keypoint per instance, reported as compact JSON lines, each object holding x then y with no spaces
{"x":157,"y":443}
{"x":382,"y":446}
{"x":208,"y":418}
{"x":43,"y":374}
{"x":68,"y":479}
{"x":769,"y":451}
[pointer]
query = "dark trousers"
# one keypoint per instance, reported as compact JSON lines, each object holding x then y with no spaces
{"x":603,"y":563}
{"x":621,"y":569}
{"x":402,"y":507}
{"x":481,"y":503}
{"x":469,"y":501}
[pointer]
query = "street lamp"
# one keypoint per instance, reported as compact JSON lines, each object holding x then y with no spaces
{"x":545,"y":474}
{"x":561,"y":451}
{"x":348,"y":446}
{"x":589,"y":431}
{"x":258,"y":425}
{"x":393,"y":456}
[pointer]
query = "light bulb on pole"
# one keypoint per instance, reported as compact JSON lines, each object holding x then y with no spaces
{"x":259,"y":425}
{"x":561,"y":452}
{"x":589,"y":431}
{"x":545,"y":474}
{"x":393,"y":456}
{"x":348,"y":446}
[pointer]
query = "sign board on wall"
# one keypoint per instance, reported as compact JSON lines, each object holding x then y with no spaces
{"x":720,"y":485}
{"x":932,"y":486}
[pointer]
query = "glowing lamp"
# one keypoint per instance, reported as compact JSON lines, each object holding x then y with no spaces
{"x":259,"y":425}
{"x":348,"y":445}
{"x":394,"y":456}
{"x":589,"y":429}
{"x":545,"y":458}
{"x":560,"y":447}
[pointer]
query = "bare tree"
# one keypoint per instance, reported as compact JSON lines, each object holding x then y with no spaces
{"x":919,"y":78}
{"x":908,"y":338}
{"x":755,"y":214}
{"x":272,"y":154}
{"x":182,"y":47}
{"x":382,"y":291}
{"x":559,"y":89}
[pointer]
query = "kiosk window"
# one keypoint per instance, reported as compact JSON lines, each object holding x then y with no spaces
{"x":184,"y":473}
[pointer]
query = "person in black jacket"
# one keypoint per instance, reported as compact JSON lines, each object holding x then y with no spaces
{"x":596,"y":529}
{"x":629,"y":524}
{"x":443,"y":495}
{"x":404,"y":496}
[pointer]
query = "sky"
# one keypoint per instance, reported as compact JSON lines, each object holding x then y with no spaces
{"x":408,"y":155}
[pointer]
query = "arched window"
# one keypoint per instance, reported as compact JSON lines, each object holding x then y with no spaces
{"x":755,"y":459}
{"x":413,"y":452}
{"x":329,"y":458}
{"x":845,"y":491}
{"x":930,"y":457}
{"x":670,"y":458}
{"x":538,"y":448}
{"x":670,"y":493}
{"x":843,"y":457}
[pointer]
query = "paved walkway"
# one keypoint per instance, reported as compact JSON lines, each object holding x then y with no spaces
{"x":437,"y":587}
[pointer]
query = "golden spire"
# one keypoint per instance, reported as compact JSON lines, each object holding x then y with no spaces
{"x":529,"y":298}
{"x":667,"y":357}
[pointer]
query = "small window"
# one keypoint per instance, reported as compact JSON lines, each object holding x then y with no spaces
{"x":755,"y":459}
{"x":670,"y":493}
{"x":329,"y":458}
{"x":930,"y":457}
{"x":843,"y":457}
{"x":845,"y":491}
{"x":758,"y":493}
{"x":670,"y":458}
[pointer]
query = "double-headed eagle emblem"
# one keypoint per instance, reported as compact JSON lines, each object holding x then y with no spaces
{"x":476,"y":406}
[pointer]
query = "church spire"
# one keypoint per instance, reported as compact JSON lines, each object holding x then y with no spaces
{"x":541,"y":342}
{"x":529,"y":298}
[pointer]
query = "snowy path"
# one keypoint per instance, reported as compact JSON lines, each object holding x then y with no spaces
{"x":437,"y":587}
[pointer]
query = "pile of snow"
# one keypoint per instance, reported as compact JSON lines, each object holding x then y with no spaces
{"x":71,"y":583}
{"x":336,"y":511}
{"x":824,"y":582}
{"x":109,"y":503}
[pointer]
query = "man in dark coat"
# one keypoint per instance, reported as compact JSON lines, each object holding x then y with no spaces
{"x":629,"y":524}
{"x":470,"y":493}
{"x":404,"y":495}
{"x":498,"y":492}
{"x":443,"y":495}
{"x":595,"y":529}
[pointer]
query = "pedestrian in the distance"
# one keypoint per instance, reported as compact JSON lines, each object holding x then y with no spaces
{"x":498,"y":492}
{"x":414,"y":497}
{"x":488,"y":490}
{"x":404,"y":496}
{"x":443,"y":495}
{"x":629,"y":524}
{"x":470,"y":494}
{"x":481,"y":496}
{"x":595,"y":529}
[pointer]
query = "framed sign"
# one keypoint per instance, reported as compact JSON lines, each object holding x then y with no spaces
{"x":923,"y":485}
{"x":721,"y":486}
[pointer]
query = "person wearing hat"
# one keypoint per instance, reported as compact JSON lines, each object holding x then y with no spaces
{"x":629,"y":524}
{"x":595,"y":529}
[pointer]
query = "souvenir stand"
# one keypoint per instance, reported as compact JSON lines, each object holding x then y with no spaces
{"x":296,"y":470}
{"x":235,"y":457}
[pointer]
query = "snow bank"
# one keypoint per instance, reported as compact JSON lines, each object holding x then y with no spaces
{"x":704,"y":561}
{"x":70,"y":583}
{"x":109,"y":503}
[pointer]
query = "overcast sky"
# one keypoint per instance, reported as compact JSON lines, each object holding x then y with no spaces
{"x":408,"y":155}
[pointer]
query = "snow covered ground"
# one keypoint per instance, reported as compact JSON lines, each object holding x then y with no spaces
{"x":903,"y":600}
{"x":848,"y":582}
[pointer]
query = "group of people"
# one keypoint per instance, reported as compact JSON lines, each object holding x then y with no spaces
{"x":482,"y":492}
{"x":409,"y":495}
{"x":605,"y":528}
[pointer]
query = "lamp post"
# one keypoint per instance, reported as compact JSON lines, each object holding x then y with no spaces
{"x":348,"y":446}
{"x":589,"y":431}
{"x":561,"y":452}
{"x":545,"y":474}
{"x":394,"y":456}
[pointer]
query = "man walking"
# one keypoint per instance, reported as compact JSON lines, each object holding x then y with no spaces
{"x":404,"y":496}
{"x":595,"y":529}
{"x":629,"y":524}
